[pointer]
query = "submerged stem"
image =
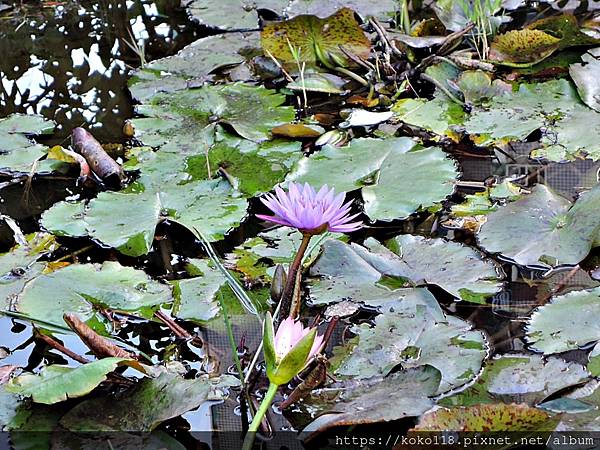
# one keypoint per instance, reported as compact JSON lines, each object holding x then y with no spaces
{"x":258,"y":417}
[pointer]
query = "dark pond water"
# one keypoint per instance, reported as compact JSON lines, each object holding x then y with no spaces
{"x":70,"y":61}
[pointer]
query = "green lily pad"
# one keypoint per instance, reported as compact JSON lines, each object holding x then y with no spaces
{"x":397,"y":176}
{"x":20,"y":264}
{"x":18,"y":153}
{"x":525,"y":47}
{"x":210,"y":206}
{"x":585,"y":75}
{"x":520,"y":378}
{"x":149,"y":403}
{"x":253,"y":168}
{"x":594,"y":361}
{"x":81,"y":288}
{"x":197,"y":60}
{"x":487,"y":418}
{"x":440,"y":115}
{"x":568,"y":126}
{"x":384,"y":9}
{"x":368,"y":274}
{"x":231,"y":14}
{"x":56,"y":383}
{"x":311,"y":40}
{"x":402,"y":394}
{"x":180,"y":118}
{"x":478,"y":87}
{"x":566,"y":29}
{"x":123,"y":221}
{"x":581,"y":409}
{"x":567,"y":322}
{"x":543,"y":229}
{"x":411,"y":336}
{"x":195,"y":298}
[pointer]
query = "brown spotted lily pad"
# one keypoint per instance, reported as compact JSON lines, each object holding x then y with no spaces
{"x":523,"y":48}
{"x":492,"y":417}
{"x":311,"y":40}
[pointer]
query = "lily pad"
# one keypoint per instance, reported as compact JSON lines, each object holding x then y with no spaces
{"x":440,"y":115}
{"x":18,"y":153}
{"x":410,"y":336}
{"x":195,"y":298}
{"x":253,"y":168}
{"x":402,"y":394}
{"x":553,"y":107}
{"x":366,"y":274}
{"x":397,"y":176}
{"x":384,"y":9}
{"x":478,"y":87}
{"x":585,"y":75}
{"x":488,"y":418}
{"x":525,"y":47}
{"x":232,"y":14}
{"x":520,"y":378}
{"x":81,"y":288}
{"x":195,"y":61}
{"x":149,"y":403}
{"x":581,"y":409}
{"x":311,"y":40}
{"x":21,"y":264}
{"x":543,"y":229}
{"x":180,"y":118}
{"x":567,"y":322}
{"x":566,"y":29}
{"x":56,"y":383}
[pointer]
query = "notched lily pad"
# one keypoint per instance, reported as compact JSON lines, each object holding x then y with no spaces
{"x":82,"y":288}
{"x":311,"y":40}
{"x":567,"y":322}
{"x":397,"y":176}
{"x":585,"y":75}
{"x":543,"y":229}
{"x":402,"y":394}
{"x":520,"y":378}
{"x":409,"y":336}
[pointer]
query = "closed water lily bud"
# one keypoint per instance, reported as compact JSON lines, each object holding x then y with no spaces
{"x":278,"y":283}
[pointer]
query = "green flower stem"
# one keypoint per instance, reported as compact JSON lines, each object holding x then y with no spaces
{"x":258,"y":417}
{"x":288,"y":291}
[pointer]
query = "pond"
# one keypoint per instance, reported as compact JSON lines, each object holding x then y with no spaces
{"x":155,"y":216}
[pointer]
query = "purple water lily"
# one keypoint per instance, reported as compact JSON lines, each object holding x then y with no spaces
{"x":309,"y":211}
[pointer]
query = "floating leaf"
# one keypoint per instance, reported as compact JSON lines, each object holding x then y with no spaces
{"x":18,"y":153}
{"x":253,"y":168}
{"x":585,"y":76}
{"x":487,"y":418}
{"x":195,"y":298}
{"x":522,"y":47}
{"x":567,"y":322}
{"x":543,"y":229}
{"x":566,"y":29}
{"x":409,"y":335}
{"x":440,"y":115}
{"x":520,"y":378}
{"x":478,"y":88}
{"x":21,"y":264}
{"x":80,"y":288}
{"x":568,"y":126}
{"x":396,"y":175}
{"x":197,"y":60}
{"x":231,"y":14}
{"x":318,"y":82}
{"x":402,"y":394}
{"x":56,"y":383}
{"x":311,"y":40}
{"x":367,"y":274}
{"x":384,"y":9}
{"x":149,"y":403}
{"x":181,"y":117}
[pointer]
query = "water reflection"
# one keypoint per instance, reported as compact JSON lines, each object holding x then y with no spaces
{"x":69,"y":60}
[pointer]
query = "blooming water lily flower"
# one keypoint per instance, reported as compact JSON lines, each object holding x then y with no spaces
{"x":309,"y":211}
